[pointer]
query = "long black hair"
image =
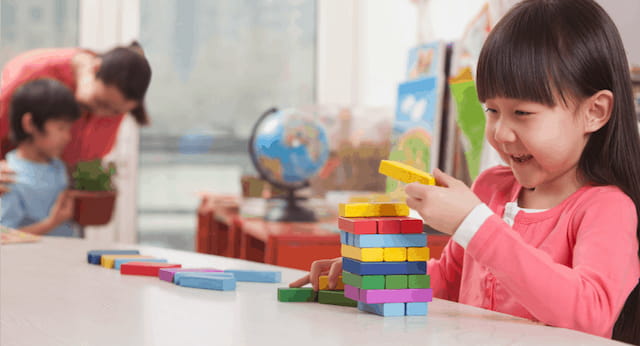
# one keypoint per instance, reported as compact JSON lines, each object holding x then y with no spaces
{"x":574,"y":51}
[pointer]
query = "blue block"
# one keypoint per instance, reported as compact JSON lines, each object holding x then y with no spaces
{"x":210,"y":282}
{"x":387,"y":240}
{"x":385,"y":309}
{"x":179,"y":275}
{"x":256,"y":275}
{"x":94,"y":256}
{"x":416,"y":309}
{"x":383,"y":268}
{"x":344,"y":237}
{"x":119,"y":261}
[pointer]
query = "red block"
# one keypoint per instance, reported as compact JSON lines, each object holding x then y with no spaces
{"x":145,"y":268}
{"x":410,"y":225}
{"x":389,"y":225}
{"x":357,"y":225}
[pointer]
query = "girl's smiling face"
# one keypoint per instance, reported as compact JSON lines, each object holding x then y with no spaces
{"x":542,"y":144}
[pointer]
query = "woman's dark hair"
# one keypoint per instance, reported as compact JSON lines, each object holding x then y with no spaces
{"x":572,"y":49}
{"x":45,"y":99}
{"x":127,"y":69}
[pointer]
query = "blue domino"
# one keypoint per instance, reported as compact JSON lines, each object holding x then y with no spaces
{"x":385,"y":309}
{"x":384,"y":240}
{"x":416,"y":309}
{"x":118,"y":262}
{"x":256,"y":275}
{"x":179,"y":275}
{"x":383,"y":268}
{"x":94,"y":256}
{"x":206,"y":281}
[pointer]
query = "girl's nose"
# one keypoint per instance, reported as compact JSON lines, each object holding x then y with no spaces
{"x":503,"y":133}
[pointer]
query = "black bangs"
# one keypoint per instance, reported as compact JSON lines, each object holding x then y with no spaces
{"x":523,"y":58}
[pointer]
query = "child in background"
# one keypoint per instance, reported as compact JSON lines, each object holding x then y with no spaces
{"x":553,"y":237}
{"x":42,"y":113}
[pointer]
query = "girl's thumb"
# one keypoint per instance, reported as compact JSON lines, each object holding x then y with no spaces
{"x":442,"y":178}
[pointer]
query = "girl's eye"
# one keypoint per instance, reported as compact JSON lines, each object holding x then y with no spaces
{"x":490,"y":110}
{"x":522,"y":113}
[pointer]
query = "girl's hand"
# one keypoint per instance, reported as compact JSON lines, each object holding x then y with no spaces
{"x":442,"y":207}
{"x":6,"y":177}
{"x":62,"y":209}
{"x":330,"y":267}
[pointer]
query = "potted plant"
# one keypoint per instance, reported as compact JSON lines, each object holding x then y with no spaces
{"x":94,"y":195}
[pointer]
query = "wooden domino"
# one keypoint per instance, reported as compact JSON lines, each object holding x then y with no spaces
{"x":371,"y":282}
{"x":323,"y":283}
{"x":395,"y":296}
{"x":386,"y":310}
{"x":417,"y":254}
{"x":383,"y":268}
{"x":374,"y":254}
{"x":94,"y":256}
{"x":335,"y":298}
{"x":108,"y":261}
{"x":145,"y":268}
{"x":207,"y":281}
{"x":120,"y":261}
{"x":297,"y":295}
{"x":373,"y":209}
{"x":357,"y":225}
{"x":166,"y":274}
{"x":419,"y":281}
{"x":405,"y":173}
{"x":396,"y":282}
{"x":256,"y":275}
{"x":394,"y":254}
{"x":385,"y":240}
{"x":177,"y":277}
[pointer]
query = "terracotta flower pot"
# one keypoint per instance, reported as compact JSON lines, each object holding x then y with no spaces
{"x":93,"y":208}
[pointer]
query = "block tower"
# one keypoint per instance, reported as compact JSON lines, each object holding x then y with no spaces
{"x":385,"y":252}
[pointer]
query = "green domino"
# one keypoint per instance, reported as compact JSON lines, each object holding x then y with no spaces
{"x":304,"y":294}
{"x":335,"y":298}
{"x":395,"y":282}
{"x":367,"y":282}
{"x":419,"y":281}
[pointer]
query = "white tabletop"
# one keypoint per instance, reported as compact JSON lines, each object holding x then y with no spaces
{"x":50,"y":295}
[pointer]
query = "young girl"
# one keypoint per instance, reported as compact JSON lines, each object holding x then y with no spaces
{"x":553,"y":237}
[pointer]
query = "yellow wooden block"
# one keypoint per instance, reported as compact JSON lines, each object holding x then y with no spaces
{"x":373,"y":209}
{"x":405,"y":173}
{"x":324,"y":283}
{"x":417,"y":254}
{"x":395,"y":254}
{"x":108,"y":261}
{"x":369,"y":254}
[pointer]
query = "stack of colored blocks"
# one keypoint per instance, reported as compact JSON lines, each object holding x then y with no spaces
{"x":385,"y":258}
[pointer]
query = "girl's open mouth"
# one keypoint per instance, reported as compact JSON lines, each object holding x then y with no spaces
{"x":521,"y":158}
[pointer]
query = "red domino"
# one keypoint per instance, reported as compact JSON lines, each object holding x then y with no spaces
{"x":388,"y":225}
{"x":411,"y":225}
{"x":357,"y":225}
{"x":145,"y":268}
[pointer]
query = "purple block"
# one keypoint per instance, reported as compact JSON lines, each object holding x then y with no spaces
{"x":352,"y":292}
{"x":395,"y":296}
{"x":166,"y":274}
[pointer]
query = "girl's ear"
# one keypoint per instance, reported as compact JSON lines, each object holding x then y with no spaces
{"x":27,"y":123}
{"x":598,"y":110}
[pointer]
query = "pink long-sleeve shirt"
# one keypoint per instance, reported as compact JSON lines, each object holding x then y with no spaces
{"x":571,"y":266}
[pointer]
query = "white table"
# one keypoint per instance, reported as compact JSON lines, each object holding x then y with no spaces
{"x":50,"y":295}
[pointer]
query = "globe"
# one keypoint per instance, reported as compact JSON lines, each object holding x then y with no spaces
{"x":288,"y":147}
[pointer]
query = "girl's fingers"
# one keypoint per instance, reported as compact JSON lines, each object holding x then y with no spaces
{"x":334,"y":273}
{"x":443,"y":179}
{"x":300,"y":282}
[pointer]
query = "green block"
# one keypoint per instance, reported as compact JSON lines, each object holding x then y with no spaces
{"x":395,"y":282}
{"x":304,"y":294}
{"x":419,"y":281}
{"x":367,"y":282}
{"x":335,"y":298}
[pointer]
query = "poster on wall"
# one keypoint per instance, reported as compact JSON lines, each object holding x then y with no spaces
{"x":426,"y":60}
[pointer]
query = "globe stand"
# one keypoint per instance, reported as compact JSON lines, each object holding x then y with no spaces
{"x":289,"y":210}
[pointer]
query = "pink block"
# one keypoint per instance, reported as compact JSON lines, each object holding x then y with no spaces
{"x":410,"y":295}
{"x":166,"y":274}
{"x":352,"y":292}
{"x":357,"y":225}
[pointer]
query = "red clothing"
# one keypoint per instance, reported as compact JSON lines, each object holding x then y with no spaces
{"x":92,"y":136}
{"x":571,"y":266}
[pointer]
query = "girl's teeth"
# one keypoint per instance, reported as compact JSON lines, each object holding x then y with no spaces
{"x":522,"y":158}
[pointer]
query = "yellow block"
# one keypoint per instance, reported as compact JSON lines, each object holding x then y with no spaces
{"x":405,"y":173}
{"x":108,"y":261}
{"x":417,"y":254}
{"x":369,"y":254}
{"x":395,"y":254}
{"x":373,"y":209}
{"x":324,"y":283}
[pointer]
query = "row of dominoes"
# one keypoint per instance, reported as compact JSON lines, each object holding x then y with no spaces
{"x":323,"y":296}
{"x":130,"y":262}
{"x":384,"y":259}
